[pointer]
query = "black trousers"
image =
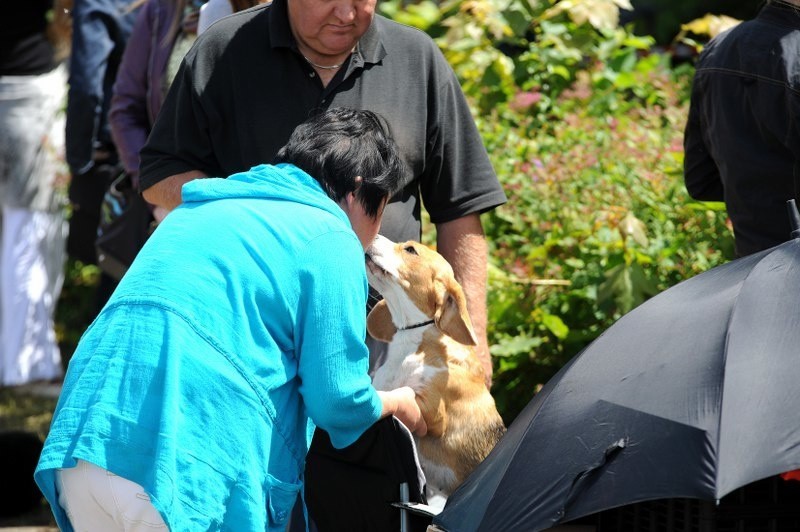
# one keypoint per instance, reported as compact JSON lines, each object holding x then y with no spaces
{"x":352,"y":489}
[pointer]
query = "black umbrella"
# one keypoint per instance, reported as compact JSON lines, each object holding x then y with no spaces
{"x":694,"y":393}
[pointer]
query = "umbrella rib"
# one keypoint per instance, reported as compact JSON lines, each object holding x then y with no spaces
{"x":724,"y":367}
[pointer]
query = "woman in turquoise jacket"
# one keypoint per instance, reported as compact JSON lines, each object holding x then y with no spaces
{"x":239,"y":327}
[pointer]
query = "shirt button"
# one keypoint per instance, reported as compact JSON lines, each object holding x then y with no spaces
{"x":311,"y":74}
{"x":281,"y":515}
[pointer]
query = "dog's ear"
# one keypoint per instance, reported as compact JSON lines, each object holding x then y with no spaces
{"x":379,"y":322}
{"x":452,"y":317}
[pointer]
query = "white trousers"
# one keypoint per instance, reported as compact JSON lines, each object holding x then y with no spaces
{"x":97,"y":500}
{"x":31,"y":275}
{"x":33,"y":229}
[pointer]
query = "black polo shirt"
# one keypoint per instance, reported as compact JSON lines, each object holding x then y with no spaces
{"x":244,"y":87}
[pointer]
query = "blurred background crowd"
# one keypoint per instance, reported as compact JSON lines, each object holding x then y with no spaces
{"x":81,"y":82}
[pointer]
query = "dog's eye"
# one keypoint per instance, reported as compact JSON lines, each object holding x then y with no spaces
{"x":410,"y":249}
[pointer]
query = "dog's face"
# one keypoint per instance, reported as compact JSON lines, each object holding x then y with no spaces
{"x":417,"y":284}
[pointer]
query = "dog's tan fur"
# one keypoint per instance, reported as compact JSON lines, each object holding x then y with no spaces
{"x":438,"y":361}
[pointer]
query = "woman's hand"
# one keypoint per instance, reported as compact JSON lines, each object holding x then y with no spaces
{"x":402,"y":404}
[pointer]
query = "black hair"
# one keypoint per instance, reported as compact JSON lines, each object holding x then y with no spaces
{"x":339,"y":145}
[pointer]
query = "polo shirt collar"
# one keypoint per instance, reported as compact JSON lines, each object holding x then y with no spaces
{"x":370,"y":46}
{"x":280,"y":33}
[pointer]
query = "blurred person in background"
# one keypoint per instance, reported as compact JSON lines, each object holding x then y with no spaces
{"x":163,"y":33}
{"x":100,"y":29}
{"x":742,"y":140}
{"x":32,"y":214}
{"x":214,"y":10}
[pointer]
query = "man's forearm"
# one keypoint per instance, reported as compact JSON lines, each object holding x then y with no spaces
{"x":463,"y":244}
{"x":167,"y":192}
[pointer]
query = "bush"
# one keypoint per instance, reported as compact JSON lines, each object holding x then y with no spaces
{"x":584,"y":128}
{"x":597,"y":221}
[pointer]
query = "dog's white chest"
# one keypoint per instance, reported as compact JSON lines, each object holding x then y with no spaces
{"x":404,"y":365}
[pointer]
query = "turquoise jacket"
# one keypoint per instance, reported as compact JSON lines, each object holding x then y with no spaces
{"x":242,"y":317}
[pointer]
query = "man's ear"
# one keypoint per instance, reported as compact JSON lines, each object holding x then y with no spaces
{"x":379,"y":322}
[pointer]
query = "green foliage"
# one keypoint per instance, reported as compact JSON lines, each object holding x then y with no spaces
{"x":600,"y":204}
{"x":21,"y":411}
{"x":76,"y":305}
{"x":584,"y":127}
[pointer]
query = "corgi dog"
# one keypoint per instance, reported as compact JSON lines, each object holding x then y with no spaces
{"x":423,"y":317}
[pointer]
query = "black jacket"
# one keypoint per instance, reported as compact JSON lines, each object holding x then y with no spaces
{"x":742,"y":142}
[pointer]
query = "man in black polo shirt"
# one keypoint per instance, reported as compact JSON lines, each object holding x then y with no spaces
{"x":252,"y":77}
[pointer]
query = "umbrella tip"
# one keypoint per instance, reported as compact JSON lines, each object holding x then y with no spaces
{"x":794,"y":218}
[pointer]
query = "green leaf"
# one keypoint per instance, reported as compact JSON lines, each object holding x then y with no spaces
{"x":634,"y":228}
{"x":555,"y":325}
{"x":560,"y":70}
{"x":518,"y":21}
{"x":625,"y":287}
{"x":422,"y":15}
{"x":515,"y":345}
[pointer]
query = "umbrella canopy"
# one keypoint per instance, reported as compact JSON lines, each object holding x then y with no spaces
{"x":694,"y":393}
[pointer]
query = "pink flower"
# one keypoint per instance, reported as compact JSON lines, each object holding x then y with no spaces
{"x":523,"y":101}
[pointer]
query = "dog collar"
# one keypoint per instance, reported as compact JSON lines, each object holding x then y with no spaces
{"x":416,"y":325}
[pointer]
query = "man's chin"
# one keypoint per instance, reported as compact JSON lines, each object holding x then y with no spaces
{"x":338,"y":42}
